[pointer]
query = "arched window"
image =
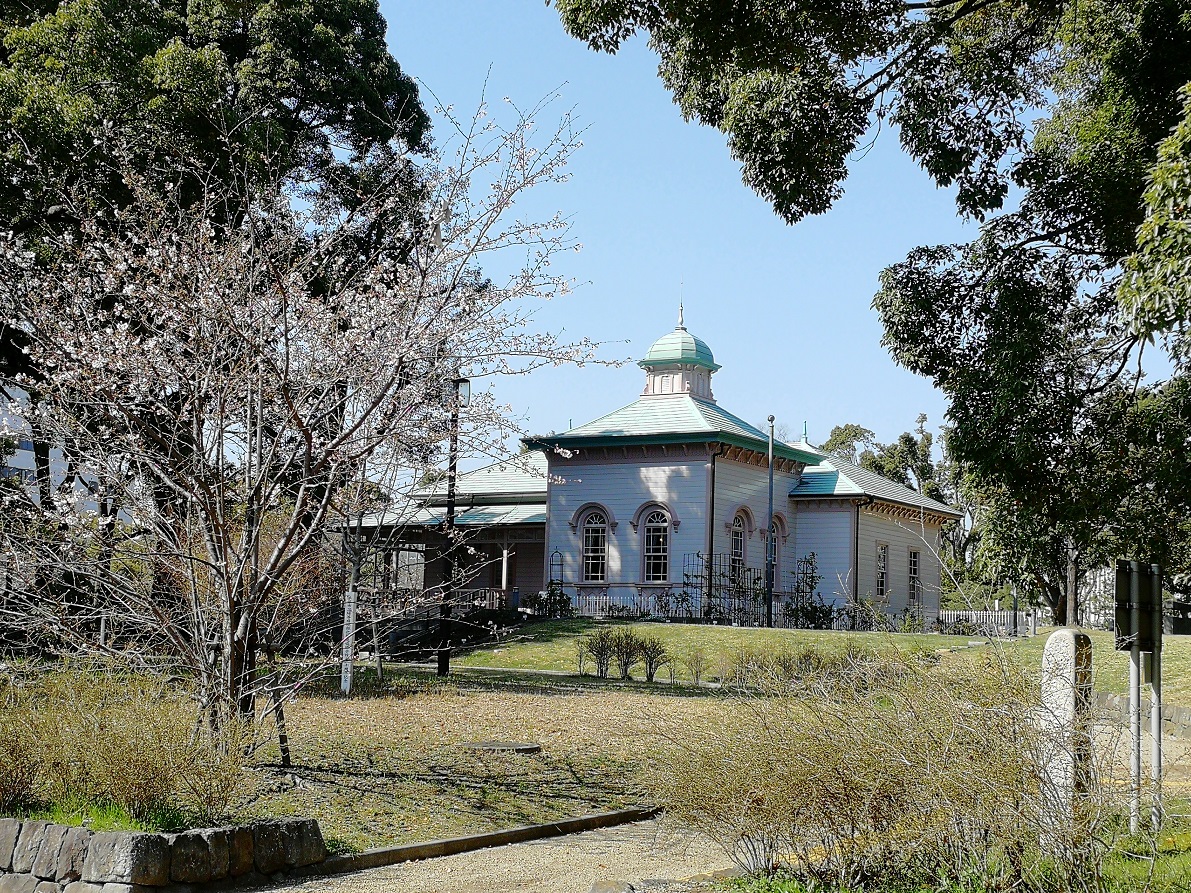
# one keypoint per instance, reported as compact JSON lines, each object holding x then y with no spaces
{"x":736,"y":563}
{"x":656,"y":534}
{"x":595,"y":548}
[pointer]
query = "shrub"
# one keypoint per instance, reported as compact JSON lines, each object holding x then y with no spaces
{"x":18,"y":759}
{"x":695,"y":662}
{"x":126,"y":742}
{"x":653,"y":655}
{"x":599,"y":646}
{"x":626,"y":650}
{"x":920,"y":778}
{"x":581,"y":656}
{"x":552,"y":602}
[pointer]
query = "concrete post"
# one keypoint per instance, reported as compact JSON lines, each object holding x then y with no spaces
{"x":1066,"y":755}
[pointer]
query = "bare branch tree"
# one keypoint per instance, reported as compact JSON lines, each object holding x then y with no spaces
{"x":226,"y":391}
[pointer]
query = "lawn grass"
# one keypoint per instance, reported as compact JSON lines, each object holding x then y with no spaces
{"x":94,"y":816}
{"x":387,"y":769}
{"x":1110,"y":668}
{"x":553,"y":645}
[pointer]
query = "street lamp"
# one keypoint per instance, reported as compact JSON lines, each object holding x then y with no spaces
{"x":769,"y":539}
{"x":460,"y":400}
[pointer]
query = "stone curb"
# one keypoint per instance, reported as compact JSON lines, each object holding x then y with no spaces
{"x":432,"y":849}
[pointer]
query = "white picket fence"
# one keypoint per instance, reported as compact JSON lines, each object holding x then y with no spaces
{"x":985,"y":623}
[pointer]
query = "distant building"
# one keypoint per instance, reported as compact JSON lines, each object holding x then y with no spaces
{"x":660,"y":508}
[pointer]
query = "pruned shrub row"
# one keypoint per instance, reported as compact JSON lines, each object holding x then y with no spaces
{"x":624,"y":649}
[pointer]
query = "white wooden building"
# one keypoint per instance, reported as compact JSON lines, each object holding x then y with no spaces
{"x":660,"y":508}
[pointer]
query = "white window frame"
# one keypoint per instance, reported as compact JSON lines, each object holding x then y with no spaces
{"x":882,"y":575}
{"x":594,"y":554}
{"x":655,"y":553}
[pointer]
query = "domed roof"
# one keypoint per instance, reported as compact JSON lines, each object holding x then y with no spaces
{"x":679,"y":346}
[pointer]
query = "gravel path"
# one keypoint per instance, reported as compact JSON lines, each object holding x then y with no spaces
{"x":635,"y":853}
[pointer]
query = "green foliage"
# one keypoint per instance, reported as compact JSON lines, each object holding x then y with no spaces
{"x":264,"y":89}
{"x":907,"y":461}
{"x":552,"y":603}
{"x":1157,"y":287}
{"x":794,"y":88}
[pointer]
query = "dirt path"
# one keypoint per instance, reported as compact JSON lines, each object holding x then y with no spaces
{"x":634,"y":853}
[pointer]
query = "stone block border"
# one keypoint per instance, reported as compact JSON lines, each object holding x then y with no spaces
{"x":40,"y":857}
{"x":1176,"y":721}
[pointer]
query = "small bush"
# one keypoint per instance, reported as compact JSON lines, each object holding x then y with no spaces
{"x":599,"y":647}
{"x":551,"y":603}
{"x":695,"y":662}
{"x":653,"y":655}
{"x":123,"y":742}
{"x":626,"y":650}
{"x":884,"y":774}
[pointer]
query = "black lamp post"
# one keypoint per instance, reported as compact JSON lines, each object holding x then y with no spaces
{"x":460,"y":400}
{"x":770,"y":543}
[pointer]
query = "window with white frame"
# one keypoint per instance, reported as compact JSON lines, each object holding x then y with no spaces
{"x":915,"y":577}
{"x":595,"y":548}
{"x":656,"y":534}
{"x":882,"y":571}
{"x":736,"y":563}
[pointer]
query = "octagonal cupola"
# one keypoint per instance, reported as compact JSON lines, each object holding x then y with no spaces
{"x":679,"y":363}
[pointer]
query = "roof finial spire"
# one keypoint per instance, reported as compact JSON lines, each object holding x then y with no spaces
{"x":680,"y":325}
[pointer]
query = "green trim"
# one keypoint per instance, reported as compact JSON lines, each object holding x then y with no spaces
{"x":782,"y":450}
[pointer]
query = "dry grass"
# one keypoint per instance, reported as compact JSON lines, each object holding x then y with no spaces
{"x":391,"y":770}
{"x":87,"y":738}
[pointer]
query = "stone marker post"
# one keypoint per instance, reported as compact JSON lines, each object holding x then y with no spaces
{"x":1066,"y":746}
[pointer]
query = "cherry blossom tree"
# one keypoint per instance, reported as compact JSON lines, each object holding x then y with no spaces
{"x":227,"y":389}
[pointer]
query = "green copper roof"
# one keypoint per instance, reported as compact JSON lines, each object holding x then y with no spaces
{"x":836,"y":478}
{"x":524,"y":475}
{"x":671,"y":418}
{"x":680,"y":346}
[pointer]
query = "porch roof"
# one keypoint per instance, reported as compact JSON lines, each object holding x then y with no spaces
{"x":497,"y":514}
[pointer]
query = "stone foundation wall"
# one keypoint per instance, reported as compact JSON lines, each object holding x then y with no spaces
{"x":40,"y":857}
{"x":1176,"y":721}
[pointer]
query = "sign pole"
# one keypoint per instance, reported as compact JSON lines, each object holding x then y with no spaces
{"x":1156,"y":699}
{"x":1134,"y":699}
{"x":347,"y":653}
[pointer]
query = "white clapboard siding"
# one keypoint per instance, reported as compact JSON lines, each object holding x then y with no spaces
{"x":623,"y":488}
{"x":901,"y":536}
{"x":739,"y":485}
{"x":827,"y":531}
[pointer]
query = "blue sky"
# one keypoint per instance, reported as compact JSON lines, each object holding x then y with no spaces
{"x":657,"y":202}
